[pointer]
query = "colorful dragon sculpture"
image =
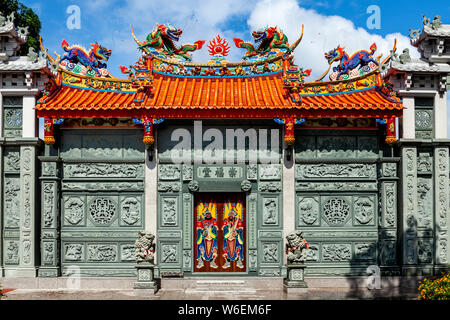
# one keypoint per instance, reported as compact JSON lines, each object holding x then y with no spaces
{"x":162,"y":39}
{"x":91,"y":60}
{"x":359,"y":59}
{"x":269,"y":39}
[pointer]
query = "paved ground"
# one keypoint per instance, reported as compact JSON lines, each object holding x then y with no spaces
{"x":312,"y":294}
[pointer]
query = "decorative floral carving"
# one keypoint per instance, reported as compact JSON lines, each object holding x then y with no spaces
{"x":390,"y":204}
{"x":326,"y":170}
{"x":169,"y":253}
{"x":169,"y":172}
{"x":102,"y":211}
{"x":12,"y":202}
{"x":49,"y":197}
{"x":102,"y":170}
{"x":270,"y":172}
{"x":336,"y":211}
{"x":12,"y":253}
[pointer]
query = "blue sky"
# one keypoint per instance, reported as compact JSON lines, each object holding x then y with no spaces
{"x":327,"y":24}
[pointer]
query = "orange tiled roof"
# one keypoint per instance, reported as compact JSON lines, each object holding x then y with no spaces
{"x":194,"y":93}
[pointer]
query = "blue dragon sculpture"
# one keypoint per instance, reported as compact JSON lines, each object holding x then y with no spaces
{"x":359,"y":59}
{"x":91,"y":60}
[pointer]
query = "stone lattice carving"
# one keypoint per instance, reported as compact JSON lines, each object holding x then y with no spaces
{"x":296,"y":248}
{"x":144,"y":247}
{"x":336,"y":211}
{"x":102,"y":211}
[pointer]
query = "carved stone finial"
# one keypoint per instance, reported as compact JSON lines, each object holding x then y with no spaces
{"x":296,"y":248}
{"x":32,"y":55}
{"x":144,"y":247}
{"x":2,"y":20}
{"x":10,"y":18}
{"x":425,"y":20}
{"x":414,"y":34}
{"x":436,"y":23}
{"x":405,"y":57}
{"x":23,"y":31}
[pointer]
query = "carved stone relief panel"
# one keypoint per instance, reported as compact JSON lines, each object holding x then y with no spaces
{"x":187,"y":172}
{"x":12,"y":160}
{"x":425,"y":250}
{"x":424,"y":163}
{"x":169,"y":210}
{"x":127,"y":253}
{"x":336,"y":252}
{"x":388,"y":252}
{"x":169,"y":253}
{"x":313,"y":254}
{"x":252,"y":172}
{"x":364,"y":210}
{"x":269,"y":172}
{"x":48,"y":204}
{"x":74,"y":210}
{"x":11,"y":252}
{"x":130,"y":211}
{"x":389,"y":169}
{"x":48,"y":252}
{"x":49,"y":169}
{"x":424,"y":203}
{"x":270,"y":211}
{"x":74,"y":252}
{"x":11,"y":202}
{"x":389,"y":203}
{"x":336,"y":211}
{"x":102,"y":252}
{"x":329,"y":170}
{"x":365,"y":251}
{"x":102,"y":210}
{"x":308,"y":211}
{"x":169,"y":172}
{"x":103,"y":170}
{"x":270,"y":252}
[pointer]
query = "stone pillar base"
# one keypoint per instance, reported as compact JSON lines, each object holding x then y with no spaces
{"x":49,"y":272}
{"x":20,"y":272}
{"x":145,"y":278}
{"x":295,"y":281}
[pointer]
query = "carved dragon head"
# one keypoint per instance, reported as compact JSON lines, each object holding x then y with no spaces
{"x":335,"y":54}
{"x":101,"y":52}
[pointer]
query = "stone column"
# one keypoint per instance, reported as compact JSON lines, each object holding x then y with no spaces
{"x":442,"y":217}
{"x":388,"y":218}
{"x":409,"y":121}
{"x":151,"y":191}
{"x":440,"y":115}
{"x":409,"y":209}
{"x":50,"y":213}
{"x":27,"y":235}
{"x":288,"y":195}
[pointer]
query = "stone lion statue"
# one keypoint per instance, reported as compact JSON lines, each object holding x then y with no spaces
{"x":296,"y":247}
{"x":144,"y":248}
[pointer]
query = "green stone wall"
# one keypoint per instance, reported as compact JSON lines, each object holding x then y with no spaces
{"x":102,"y":200}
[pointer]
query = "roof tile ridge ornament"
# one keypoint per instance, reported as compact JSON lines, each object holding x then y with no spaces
{"x":417,"y":35}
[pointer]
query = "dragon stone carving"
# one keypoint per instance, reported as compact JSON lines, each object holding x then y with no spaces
{"x":296,"y":248}
{"x":144,"y":247}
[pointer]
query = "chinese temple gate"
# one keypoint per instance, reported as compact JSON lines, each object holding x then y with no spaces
{"x":357,"y":159}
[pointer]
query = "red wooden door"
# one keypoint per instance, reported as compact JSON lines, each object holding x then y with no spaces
{"x":220,"y":232}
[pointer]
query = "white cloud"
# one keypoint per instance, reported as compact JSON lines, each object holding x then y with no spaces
{"x":322,"y":33}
